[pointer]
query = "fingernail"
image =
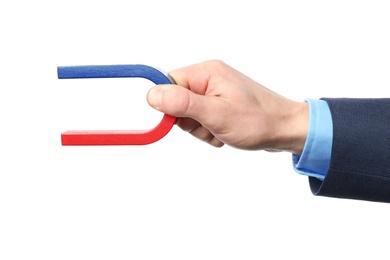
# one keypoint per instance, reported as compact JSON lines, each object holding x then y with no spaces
{"x":155,"y":97}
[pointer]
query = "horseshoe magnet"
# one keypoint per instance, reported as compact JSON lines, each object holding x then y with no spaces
{"x":117,"y":137}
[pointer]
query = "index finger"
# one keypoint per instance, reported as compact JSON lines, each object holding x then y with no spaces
{"x":197,"y":77}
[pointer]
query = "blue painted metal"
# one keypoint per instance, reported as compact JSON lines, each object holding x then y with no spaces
{"x":114,"y":71}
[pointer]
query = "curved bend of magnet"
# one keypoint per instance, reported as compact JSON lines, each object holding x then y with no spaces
{"x":116,"y":137}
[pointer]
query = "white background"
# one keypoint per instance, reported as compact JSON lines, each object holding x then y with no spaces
{"x":177,"y":198}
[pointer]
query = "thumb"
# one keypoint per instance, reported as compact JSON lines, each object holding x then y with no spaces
{"x":175,"y":100}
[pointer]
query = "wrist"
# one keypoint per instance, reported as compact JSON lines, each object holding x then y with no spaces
{"x":294,"y":127}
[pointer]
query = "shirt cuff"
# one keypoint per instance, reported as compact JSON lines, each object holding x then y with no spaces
{"x":315,"y":158}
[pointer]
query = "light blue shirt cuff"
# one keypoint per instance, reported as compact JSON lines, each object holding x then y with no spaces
{"x":315,"y":158}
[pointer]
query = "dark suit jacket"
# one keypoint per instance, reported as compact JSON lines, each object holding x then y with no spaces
{"x":360,"y":161}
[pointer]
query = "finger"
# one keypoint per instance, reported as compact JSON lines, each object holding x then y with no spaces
{"x":180,"y":102}
{"x":190,"y":125}
{"x":197,"y":77}
{"x":205,"y":135}
{"x":187,"y":124}
{"x":216,"y":142}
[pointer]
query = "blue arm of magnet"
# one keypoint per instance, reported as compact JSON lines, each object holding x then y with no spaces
{"x":114,"y":71}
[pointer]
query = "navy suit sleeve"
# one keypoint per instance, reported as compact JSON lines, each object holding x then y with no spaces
{"x":360,"y":161}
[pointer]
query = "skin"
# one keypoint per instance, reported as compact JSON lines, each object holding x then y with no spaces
{"x":220,"y":105}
